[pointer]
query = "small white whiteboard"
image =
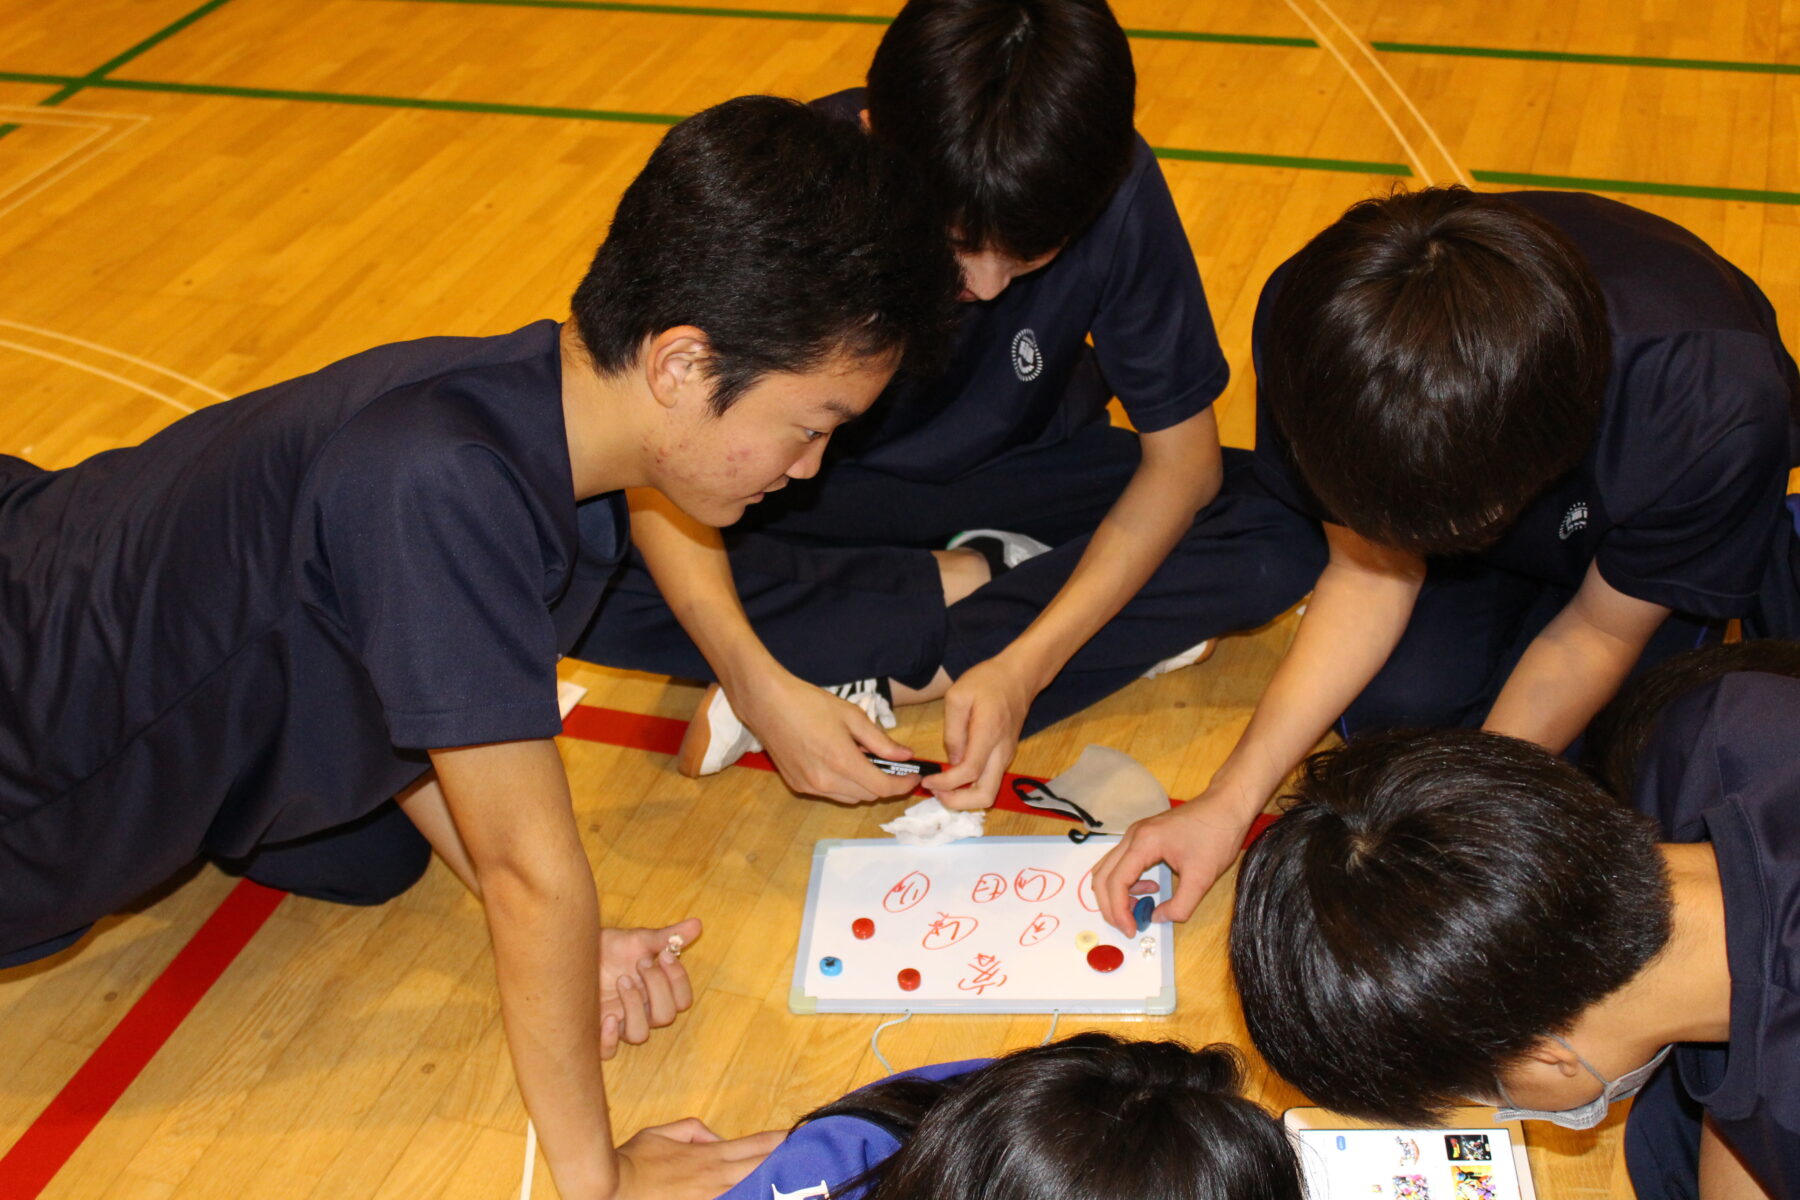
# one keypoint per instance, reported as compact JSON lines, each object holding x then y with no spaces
{"x":991,"y":925}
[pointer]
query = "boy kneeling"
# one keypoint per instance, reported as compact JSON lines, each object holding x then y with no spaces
{"x":1455,"y":914}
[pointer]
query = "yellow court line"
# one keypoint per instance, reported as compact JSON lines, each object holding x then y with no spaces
{"x":93,"y":370}
{"x":1412,"y":155}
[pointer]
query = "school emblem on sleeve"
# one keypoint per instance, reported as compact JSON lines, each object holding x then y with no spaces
{"x":812,"y":1193}
{"x":1574,"y":521}
{"x":1028,"y":361}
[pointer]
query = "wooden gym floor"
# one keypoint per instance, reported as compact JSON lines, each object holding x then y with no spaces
{"x":196,"y":201}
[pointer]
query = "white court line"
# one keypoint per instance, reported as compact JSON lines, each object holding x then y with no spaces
{"x":36,"y":112}
{"x":58,"y":168}
{"x":93,"y":370}
{"x":1319,"y":36}
{"x":1369,"y":53}
{"x":177,"y":376}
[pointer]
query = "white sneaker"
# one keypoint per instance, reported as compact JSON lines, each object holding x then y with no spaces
{"x":716,"y":737}
{"x":1014,"y":548}
{"x":1187,"y":658}
{"x":874,"y":696}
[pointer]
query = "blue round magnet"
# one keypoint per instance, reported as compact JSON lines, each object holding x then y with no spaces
{"x":1140,"y":912}
{"x":831,"y":966}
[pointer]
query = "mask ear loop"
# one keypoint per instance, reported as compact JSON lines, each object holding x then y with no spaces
{"x":1605,"y":1083}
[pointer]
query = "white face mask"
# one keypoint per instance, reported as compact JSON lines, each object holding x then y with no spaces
{"x":1585,"y":1116}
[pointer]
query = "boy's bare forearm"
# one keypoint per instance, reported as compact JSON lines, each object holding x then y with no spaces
{"x":692,"y":570}
{"x":1357,"y":613}
{"x":510,"y":803}
{"x":1180,"y":474}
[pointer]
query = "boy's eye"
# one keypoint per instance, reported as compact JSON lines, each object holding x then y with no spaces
{"x":813,"y":435}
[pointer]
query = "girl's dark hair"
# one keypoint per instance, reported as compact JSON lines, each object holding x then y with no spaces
{"x":1091,"y":1117}
{"x":1431,"y":905}
{"x":1615,"y":741}
{"x":1435,"y":360}
{"x":784,"y":235}
{"x":1018,"y":112}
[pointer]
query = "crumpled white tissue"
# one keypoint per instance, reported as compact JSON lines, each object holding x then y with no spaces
{"x":929,"y":823}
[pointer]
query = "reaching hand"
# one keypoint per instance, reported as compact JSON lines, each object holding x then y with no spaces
{"x":983,"y":713}
{"x":817,"y":740}
{"x":642,"y":985}
{"x":1199,"y":840}
{"x":685,"y":1160}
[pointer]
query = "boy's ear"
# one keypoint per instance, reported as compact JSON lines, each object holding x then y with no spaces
{"x":674,"y":364}
{"x":863,"y":116}
{"x":1553,"y":1054}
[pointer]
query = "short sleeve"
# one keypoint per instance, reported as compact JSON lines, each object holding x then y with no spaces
{"x":435,"y":569}
{"x":1699,"y":494}
{"x":816,"y":1160}
{"x":1153,"y":332}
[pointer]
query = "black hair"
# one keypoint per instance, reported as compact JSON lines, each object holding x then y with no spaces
{"x":1615,"y":741}
{"x":1436,"y":359}
{"x":1431,"y":905}
{"x":1091,"y":1117}
{"x":785,"y":236}
{"x":1018,"y":113}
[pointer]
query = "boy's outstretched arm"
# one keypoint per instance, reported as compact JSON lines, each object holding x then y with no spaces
{"x":1180,"y":473}
{"x":1572,"y":668}
{"x":1359,"y":609}
{"x":511,"y":827}
{"x":816,"y":740}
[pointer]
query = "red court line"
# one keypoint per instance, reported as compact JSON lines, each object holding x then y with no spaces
{"x":31,"y":1163}
{"x":662,"y":735}
{"x":68,"y":1119}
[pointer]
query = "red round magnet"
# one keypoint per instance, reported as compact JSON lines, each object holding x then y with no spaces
{"x":862,"y":929}
{"x":1106,"y":958}
{"x":909,"y":978}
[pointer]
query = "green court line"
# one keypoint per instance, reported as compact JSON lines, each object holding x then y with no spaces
{"x":823,"y":18}
{"x":72,"y":85}
{"x":650,"y":118}
{"x":1174,"y":153}
{"x":1637,"y":187}
{"x":28,"y":77}
{"x":118,"y":60}
{"x":370,"y":100}
{"x":1351,"y":165}
{"x":1605,"y":60}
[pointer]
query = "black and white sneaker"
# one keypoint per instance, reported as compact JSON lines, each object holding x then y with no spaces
{"x":717,"y":737}
{"x":1003,"y":550}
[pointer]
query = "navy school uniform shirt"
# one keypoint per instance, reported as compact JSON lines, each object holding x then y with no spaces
{"x":251,"y":627}
{"x":1679,"y":498}
{"x":819,"y":1158}
{"x":1021,"y":373}
{"x":1721,"y":767}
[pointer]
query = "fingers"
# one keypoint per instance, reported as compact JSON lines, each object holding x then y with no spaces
{"x":1143,"y":887}
{"x":688,"y":931}
{"x":610,"y":1025}
{"x":1190,"y":888}
{"x":635,"y":1010}
{"x":874,"y":738}
{"x":690,"y":1130}
{"x":754,"y":1147}
{"x":681,"y":988}
{"x":659,"y":996}
{"x":980,"y":793}
{"x":1123,"y":865}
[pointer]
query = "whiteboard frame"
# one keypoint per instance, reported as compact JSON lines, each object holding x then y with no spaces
{"x":802,"y":1003}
